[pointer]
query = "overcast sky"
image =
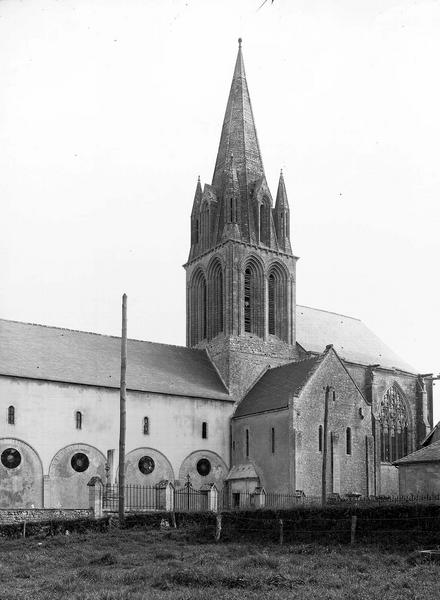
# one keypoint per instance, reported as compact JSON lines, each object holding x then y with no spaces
{"x":110,"y":109}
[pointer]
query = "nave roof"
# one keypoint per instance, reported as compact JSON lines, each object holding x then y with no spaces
{"x":69,"y":356}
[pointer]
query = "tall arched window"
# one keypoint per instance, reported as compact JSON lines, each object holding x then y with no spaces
{"x":198,"y":308}
{"x":277,"y":297}
{"x":11,"y":415}
{"x":253,"y":298}
{"x":394,"y":426}
{"x":78,"y":419}
{"x":216,"y":299}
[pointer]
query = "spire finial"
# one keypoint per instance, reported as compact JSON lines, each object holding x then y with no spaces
{"x":198,"y":179}
{"x":239,"y":42}
{"x":281,"y":172}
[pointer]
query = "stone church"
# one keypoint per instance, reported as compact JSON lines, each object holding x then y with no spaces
{"x":242,"y":405}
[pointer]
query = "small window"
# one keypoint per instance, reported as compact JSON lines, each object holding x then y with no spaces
{"x":78,"y":419}
{"x":146,"y":427}
{"x":204,"y":430}
{"x":272,"y":440}
{"x":11,"y":415}
{"x":348,"y":440}
{"x":320,"y":438}
{"x":233,"y":446}
{"x":247,"y":443}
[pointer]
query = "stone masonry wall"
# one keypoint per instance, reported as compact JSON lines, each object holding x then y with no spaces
{"x":28,"y":515}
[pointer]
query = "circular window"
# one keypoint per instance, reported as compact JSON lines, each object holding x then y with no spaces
{"x":146,"y":465}
{"x":11,"y":458}
{"x":80,"y":462}
{"x":203,"y":467}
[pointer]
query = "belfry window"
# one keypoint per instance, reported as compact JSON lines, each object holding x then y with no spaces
{"x":78,"y":419}
{"x":11,"y":415}
{"x":146,"y":426}
{"x":198,"y":315}
{"x":247,"y":300}
{"x":394,"y":426}
{"x":216,"y":299}
{"x":277,"y":298}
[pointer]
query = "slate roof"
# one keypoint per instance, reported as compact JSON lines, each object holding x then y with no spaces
{"x":273,"y":390}
{"x":65,"y":355}
{"x":429,"y":453}
{"x":351,"y":339}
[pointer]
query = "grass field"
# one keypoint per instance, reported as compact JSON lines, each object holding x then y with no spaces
{"x":135,"y":564}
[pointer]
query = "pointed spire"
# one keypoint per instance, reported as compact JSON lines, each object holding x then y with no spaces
{"x":239,"y":135}
{"x":197,"y":196}
{"x":281,"y":201}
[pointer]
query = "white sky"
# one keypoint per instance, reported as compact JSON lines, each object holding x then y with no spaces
{"x":109,"y":109}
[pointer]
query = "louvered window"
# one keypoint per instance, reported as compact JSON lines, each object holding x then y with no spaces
{"x":272,"y":304}
{"x":247,"y":301}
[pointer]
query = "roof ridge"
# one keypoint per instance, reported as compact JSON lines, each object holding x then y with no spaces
{"x":106,"y":335}
{"x":331,"y":312}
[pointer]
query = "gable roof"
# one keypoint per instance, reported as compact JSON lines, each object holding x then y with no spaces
{"x":273,"y":390}
{"x":352,"y":340}
{"x":429,"y":453}
{"x":65,"y":355}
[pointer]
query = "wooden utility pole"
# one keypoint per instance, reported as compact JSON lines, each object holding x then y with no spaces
{"x":324,"y":448}
{"x":122,"y":411}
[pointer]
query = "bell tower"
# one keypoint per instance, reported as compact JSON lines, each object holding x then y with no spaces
{"x":240,"y":274}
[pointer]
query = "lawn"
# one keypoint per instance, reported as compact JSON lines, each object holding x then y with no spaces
{"x":135,"y":564}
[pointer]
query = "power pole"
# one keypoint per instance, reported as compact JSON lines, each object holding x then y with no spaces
{"x":324,"y":448}
{"x":122,"y":411}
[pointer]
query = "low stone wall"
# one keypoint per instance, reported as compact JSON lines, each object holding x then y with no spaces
{"x":34,"y":515}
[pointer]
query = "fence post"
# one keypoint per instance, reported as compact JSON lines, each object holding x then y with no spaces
{"x":281,"y":531}
{"x":260,"y":497}
{"x":213,"y":498}
{"x":218,"y":527}
{"x":353,"y":529}
{"x":166,"y":495}
{"x":95,"y":486}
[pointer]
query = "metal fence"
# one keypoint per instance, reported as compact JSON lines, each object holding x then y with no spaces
{"x":137,"y":498}
{"x":140,"y":498}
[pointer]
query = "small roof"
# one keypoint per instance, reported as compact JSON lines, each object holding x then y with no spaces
{"x":433,"y":435}
{"x":273,"y":390}
{"x":65,"y":355}
{"x":429,"y":453}
{"x":246,"y":471}
{"x":351,"y":339}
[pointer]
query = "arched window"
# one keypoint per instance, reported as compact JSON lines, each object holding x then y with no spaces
{"x":394,"y":426}
{"x":78,"y":419}
{"x":198,"y":308}
{"x":11,"y":415}
{"x":253,"y":299}
{"x":216,"y":300}
{"x":320,"y":438}
{"x":277,"y":297}
{"x":348,"y":441}
{"x":247,"y":443}
{"x":204,"y":430}
{"x":146,"y":426}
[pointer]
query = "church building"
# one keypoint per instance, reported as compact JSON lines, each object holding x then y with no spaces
{"x":263,"y":387}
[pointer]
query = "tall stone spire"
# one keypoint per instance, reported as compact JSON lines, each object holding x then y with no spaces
{"x":239,"y":135}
